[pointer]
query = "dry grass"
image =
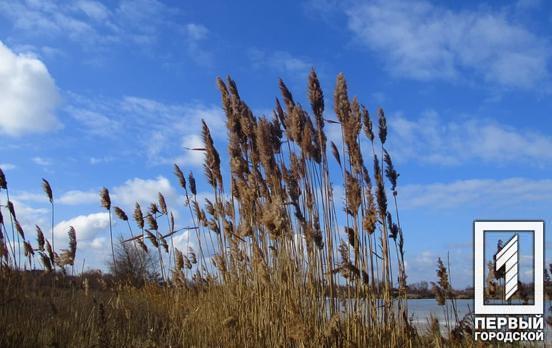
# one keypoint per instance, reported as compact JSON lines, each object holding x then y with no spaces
{"x":278,"y":263}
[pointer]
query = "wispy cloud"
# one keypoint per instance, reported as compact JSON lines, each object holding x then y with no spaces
{"x":89,"y":229}
{"x":93,"y":9}
{"x":99,"y":160}
{"x":162,"y":131}
{"x":481,"y":192}
{"x":28,"y":215}
{"x":528,"y":4}
{"x":41,"y":161}
{"x":421,"y":40}
{"x":432,"y":140}
{"x":195,"y":35}
{"x":92,"y":24}
{"x":94,"y":122}
{"x":29,"y":95}
{"x":7,"y":166}
{"x":169,"y":122}
{"x":144,"y":191}
{"x":76,"y":197}
{"x":281,"y":62}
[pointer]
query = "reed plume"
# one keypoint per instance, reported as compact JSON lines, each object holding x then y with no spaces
{"x":20,"y":230}
{"x":162,"y":203}
{"x":192,"y":183}
{"x":180,"y":175}
{"x":138,"y":216}
{"x":287,"y":262}
{"x":105,"y":201}
{"x":120,"y":213}
{"x":3,"y":181}
{"x":382,"y":126}
{"x":67,"y":256}
{"x":47,"y":190}
{"x":40,"y":238}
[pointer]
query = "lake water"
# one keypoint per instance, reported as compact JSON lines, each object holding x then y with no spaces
{"x":421,"y":309}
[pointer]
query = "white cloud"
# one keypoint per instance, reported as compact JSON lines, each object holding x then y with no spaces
{"x":75,"y":197}
{"x":92,"y":24}
{"x":29,"y":95}
{"x":195,"y":34}
{"x":160,"y":130}
{"x":423,"y":41}
{"x":89,"y":230}
{"x":84,"y":22}
{"x":181,"y":117}
{"x":170,"y":123}
{"x":41,"y":161}
{"x":95,"y":122}
{"x":25,"y":196}
{"x":196,"y":31}
{"x":483,"y":192}
{"x":7,"y":166}
{"x":191,"y":157}
{"x":143,"y":191}
{"x":528,"y":4}
{"x":28,"y":216}
{"x":432,"y":140}
{"x":280,"y":61}
{"x":93,"y":9}
{"x":182,"y":242}
{"x":424,"y":260}
{"x":99,"y":160}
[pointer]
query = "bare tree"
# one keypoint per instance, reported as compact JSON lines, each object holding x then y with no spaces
{"x":134,"y":265}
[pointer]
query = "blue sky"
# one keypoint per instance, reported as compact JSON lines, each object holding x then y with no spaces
{"x":109,"y":93}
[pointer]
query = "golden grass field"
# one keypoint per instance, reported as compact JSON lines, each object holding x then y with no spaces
{"x":279,"y":262}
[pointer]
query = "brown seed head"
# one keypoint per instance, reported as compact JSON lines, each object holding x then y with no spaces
{"x":28,"y":249}
{"x":48,"y":190}
{"x":152,"y":239}
{"x":138,"y":216}
{"x":226,"y":100}
{"x":367,"y":122}
{"x":11,"y":208}
{"x":180,"y":176}
{"x":46,"y":262}
{"x":286,"y":96}
{"x":179,"y":259}
{"x":192,"y":183}
{"x":342,"y":106}
{"x":120,"y":213}
{"x":211,"y":165}
{"x":153,"y":209}
{"x":72,"y":243}
{"x":105,"y":199}
{"x":50,"y":252}
{"x":316,"y":98}
{"x":390,"y":172}
{"x":152,"y":222}
{"x":19,"y":229}
{"x":39,"y":238}
{"x":382,"y":126}
{"x":162,"y":204}
{"x":3,"y":181}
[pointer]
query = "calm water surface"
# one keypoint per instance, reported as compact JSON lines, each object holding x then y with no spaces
{"x":421,"y":309}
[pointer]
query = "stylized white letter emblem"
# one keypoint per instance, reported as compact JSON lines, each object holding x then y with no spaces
{"x":508,"y":257}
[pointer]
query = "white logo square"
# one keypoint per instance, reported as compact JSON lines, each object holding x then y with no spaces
{"x":504,"y":259}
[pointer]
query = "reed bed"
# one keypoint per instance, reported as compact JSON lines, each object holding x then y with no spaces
{"x":281,"y":259}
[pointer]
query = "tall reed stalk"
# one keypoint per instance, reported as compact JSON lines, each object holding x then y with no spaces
{"x":105,"y":201}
